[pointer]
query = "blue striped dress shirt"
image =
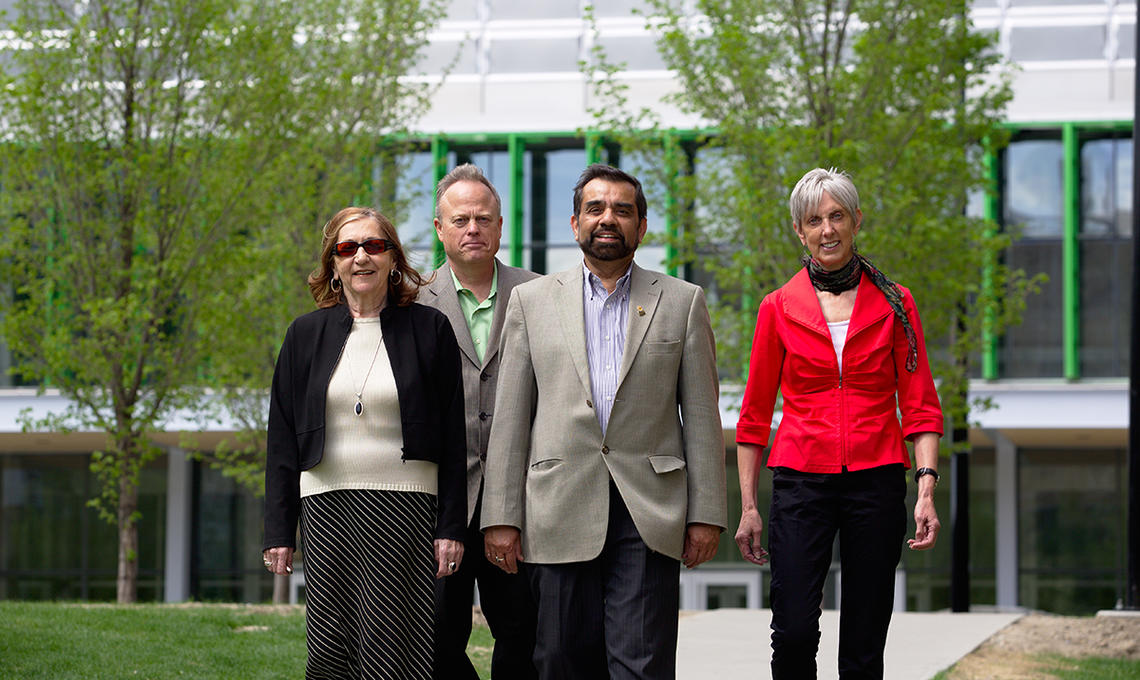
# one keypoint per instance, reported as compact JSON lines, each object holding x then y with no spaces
{"x":607,"y":318}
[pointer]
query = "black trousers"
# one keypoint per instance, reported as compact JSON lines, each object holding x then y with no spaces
{"x":614,"y":616}
{"x":507,"y":605}
{"x":868,"y":510}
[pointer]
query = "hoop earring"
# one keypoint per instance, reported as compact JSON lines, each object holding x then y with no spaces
{"x":396,"y":277}
{"x":335,"y":285}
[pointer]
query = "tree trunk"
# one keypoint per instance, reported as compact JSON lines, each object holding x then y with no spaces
{"x":128,"y":578}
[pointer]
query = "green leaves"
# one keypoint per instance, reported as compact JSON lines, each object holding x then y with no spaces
{"x":903,"y":95}
{"x":166,"y":168}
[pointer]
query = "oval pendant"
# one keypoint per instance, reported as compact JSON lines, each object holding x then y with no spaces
{"x":359,"y":408}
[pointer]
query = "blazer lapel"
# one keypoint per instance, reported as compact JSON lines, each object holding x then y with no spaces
{"x":507,"y":282}
{"x":569,"y":303}
{"x":644,"y":294}
{"x":443,"y":292}
{"x":801,"y":304}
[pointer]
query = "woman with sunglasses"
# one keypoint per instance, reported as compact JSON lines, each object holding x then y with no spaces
{"x":366,"y":449}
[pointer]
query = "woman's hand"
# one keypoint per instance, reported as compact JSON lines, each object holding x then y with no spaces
{"x":748,"y":533}
{"x":278,"y":560}
{"x":926,"y":524}
{"x":748,"y":537}
{"x":448,"y":556}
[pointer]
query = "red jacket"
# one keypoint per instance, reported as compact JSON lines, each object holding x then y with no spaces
{"x":830,"y":421}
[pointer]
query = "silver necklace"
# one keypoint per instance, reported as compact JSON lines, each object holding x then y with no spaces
{"x":358,"y":409}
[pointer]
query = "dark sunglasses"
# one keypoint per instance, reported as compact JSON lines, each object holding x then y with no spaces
{"x":373,"y":246}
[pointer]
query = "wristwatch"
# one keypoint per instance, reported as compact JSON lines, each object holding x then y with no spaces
{"x":922,"y":471}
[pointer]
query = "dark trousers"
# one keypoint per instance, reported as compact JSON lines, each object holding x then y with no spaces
{"x":868,"y":510}
{"x":507,"y":605}
{"x":614,"y":616}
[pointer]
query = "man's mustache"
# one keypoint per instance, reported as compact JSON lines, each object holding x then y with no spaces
{"x":607,"y":232}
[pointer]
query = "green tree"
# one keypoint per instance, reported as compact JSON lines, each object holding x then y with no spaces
{"x":904,"y":95}
{"x":166,"y":167}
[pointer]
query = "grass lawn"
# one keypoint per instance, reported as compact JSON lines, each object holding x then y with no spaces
{"x":1094,"y":669}
{"x":1065,"y":668}
{"x":153,"y":641}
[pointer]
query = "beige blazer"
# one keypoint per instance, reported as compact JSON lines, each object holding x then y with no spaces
{"x":549,"y":467}
{"x":479,"y":377}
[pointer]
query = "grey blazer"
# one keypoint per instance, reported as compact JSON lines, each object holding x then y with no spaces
{"x":479,"y":378}
{"x":549,"y":466}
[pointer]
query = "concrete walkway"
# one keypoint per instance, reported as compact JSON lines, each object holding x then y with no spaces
{"x":734,"y":644}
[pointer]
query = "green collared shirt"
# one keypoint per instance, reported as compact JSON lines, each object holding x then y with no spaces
{"x":478,"y":314}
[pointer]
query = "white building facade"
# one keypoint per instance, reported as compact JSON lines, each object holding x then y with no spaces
{"x":1047,"y":472}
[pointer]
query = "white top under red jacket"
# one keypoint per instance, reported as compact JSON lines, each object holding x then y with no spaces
{"x":831,"y":422}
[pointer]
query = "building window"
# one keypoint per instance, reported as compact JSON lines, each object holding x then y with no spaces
{"x":555,"y":171}
{"x":54,"y":547}
{"x":537,"y":55}
{"x":1032,"y":202}
{"x":527,"y":9}
{"x":414,"y":203}
{"x":227,"y":541}
{"x":651,"y":254}
{"x":1056,"y":43}
{"x":496,"y":166}
{"x":1105,"y":243}
{"x":1072,"y":525}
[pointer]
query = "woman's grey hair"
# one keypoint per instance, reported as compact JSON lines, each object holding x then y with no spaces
{"x":809,"y":192}
{"x":465,"y":173}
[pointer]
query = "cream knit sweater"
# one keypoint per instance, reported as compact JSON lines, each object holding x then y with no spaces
{"x":363,"y":452}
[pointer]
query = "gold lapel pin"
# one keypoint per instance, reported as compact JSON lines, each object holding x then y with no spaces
{"x":640,"y":311}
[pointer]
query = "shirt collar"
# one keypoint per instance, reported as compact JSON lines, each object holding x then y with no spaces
{"x":494,"y":281}
{"x":594,"y":285}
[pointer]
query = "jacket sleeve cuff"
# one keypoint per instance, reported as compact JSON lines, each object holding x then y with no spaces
{"x":278,"y":543}
{"x":756,"y":435}
{"x":913,"y":428}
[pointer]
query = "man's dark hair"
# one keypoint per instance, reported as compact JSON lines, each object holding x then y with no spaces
{"x":610,"y":174}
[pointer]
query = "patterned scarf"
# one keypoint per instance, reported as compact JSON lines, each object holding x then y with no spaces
{"x":847,"y":277}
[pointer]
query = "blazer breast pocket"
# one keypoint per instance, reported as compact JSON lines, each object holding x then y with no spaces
{"x":546,"y":464}
{"x":664,"y":464}
{"x":665,"y":347}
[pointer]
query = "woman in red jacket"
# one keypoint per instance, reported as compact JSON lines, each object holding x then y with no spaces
{"x":843,"y":344}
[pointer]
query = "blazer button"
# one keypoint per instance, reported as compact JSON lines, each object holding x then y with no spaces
{"x":484,"y":376}
{"x":589,"y":404}
{"x":484,"y":415}
{"x":483,"y":457}
{"x":605,"y":449}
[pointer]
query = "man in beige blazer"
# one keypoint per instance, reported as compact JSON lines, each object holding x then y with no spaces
{"x":472,"y":289}
{"x":605,"y":467}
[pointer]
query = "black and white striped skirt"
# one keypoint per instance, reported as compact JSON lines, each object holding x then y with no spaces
{"x":369,"y":583}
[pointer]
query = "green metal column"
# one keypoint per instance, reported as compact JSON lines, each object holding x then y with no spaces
{"x":992,"y":212}
{"x":515,"y":148}
{"x":673,"y":156}
{"x":439,"y":149}
{"x":593,"y":147}
{"x":1070,"y":249}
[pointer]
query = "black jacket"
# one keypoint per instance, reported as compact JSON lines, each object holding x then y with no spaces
{"x":429,"y":386}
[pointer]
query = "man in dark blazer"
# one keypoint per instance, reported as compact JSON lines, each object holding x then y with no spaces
{"x":606,"y":460}
{"x":472,"y":288}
